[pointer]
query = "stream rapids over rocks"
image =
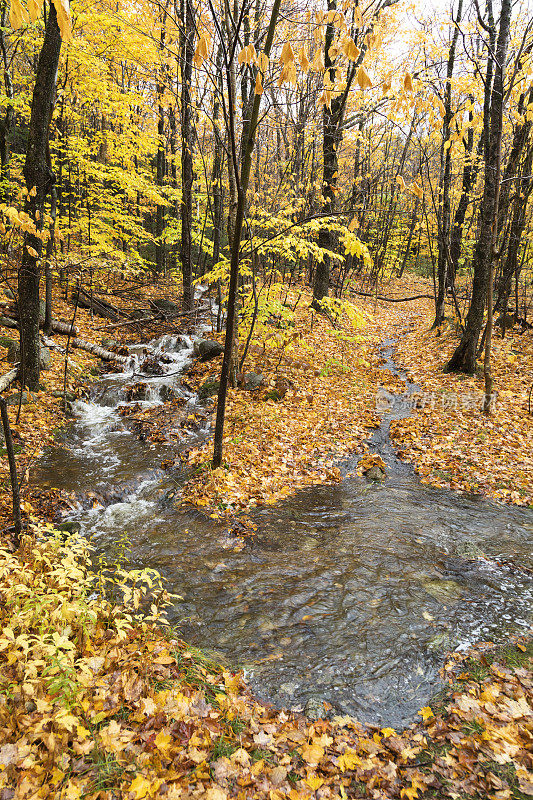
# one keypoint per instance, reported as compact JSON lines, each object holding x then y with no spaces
{"x":349,"y":593}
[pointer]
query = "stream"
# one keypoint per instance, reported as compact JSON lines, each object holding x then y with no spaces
{"x":349,"y":593}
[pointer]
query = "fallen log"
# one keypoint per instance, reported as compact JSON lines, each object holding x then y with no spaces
{"x":99,"y":306}
{"x":64,"y":327}
{"x":7,"y":379}
{"x":393,"y":299}
{"x":156,"y":318}
{"x":99,"y":352}
{"x":59,"y":327}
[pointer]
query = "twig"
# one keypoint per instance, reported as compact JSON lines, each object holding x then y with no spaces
{"x":15,"y":493}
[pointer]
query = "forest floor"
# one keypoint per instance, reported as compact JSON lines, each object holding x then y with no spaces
{"x":95,"y":704}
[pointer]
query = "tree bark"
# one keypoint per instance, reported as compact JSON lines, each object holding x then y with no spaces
{"x":186,"y":54}
{"x":39,"y":180}
{"x":464,"y":357}
{"x":248,"y":139}
{"x":446,"y":179}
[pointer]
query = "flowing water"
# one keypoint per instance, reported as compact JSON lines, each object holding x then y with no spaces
{"x":350,"y":592}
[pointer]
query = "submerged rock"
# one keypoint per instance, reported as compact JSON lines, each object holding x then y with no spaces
{"x":375,"y":473}
{"x":469,"y":551}
{"x":446,"y":591}
{"x":167,"y":393}
{"x":440,"y":643}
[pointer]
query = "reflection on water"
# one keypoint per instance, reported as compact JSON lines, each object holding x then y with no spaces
{"x":351,"y":592}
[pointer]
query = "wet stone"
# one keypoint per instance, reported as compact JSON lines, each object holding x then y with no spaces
{"x":209,"y":349}
{"x":469,"y":551}
{"x":375,"y":473}
{"x":444,"y":591}
{"x":314,"y":708}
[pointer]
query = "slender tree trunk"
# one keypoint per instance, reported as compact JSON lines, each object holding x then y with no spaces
{"x":470,"y":169}
{"x":186,"y":54}
{"x":160,"y":246}
{"x":330,"y":142}
{"x":446,"y":179}
{"x":6,"y":122}
{"x":249,"y":133}
{"x":412,"y":225}
{"x":15,"y":492}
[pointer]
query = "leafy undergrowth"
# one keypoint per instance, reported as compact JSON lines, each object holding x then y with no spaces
{"x":97,"y":701}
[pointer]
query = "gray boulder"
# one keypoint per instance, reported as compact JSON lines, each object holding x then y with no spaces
{"x":252,"y":381}
{"x":44,"y":357}
{"x":209,"y":349}
{"x":6,"y":341}
{"x":13,"y":354}
{"x":166,"y":306}
{"x":14,"y":399}
{"x":69,"y":396}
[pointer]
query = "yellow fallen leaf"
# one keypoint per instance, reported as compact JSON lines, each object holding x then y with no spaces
{"x":349,"y":760}
{"x":139,"y":787}
{"x":163,"y":741}
{"x":312,"y":753}
{"x":314,"y":782}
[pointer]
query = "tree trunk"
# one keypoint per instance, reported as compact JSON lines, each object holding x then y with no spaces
{"x":6,"y":123}
{"x":470,"y":170}
{"x":330,"y":141}
{"x":446,"y":179}
{"x":186,"y":54}
{"x":160,"y":247}
{"x":248,"y":138}
{"x":39,"y":180}
{"x":464,"y":358}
